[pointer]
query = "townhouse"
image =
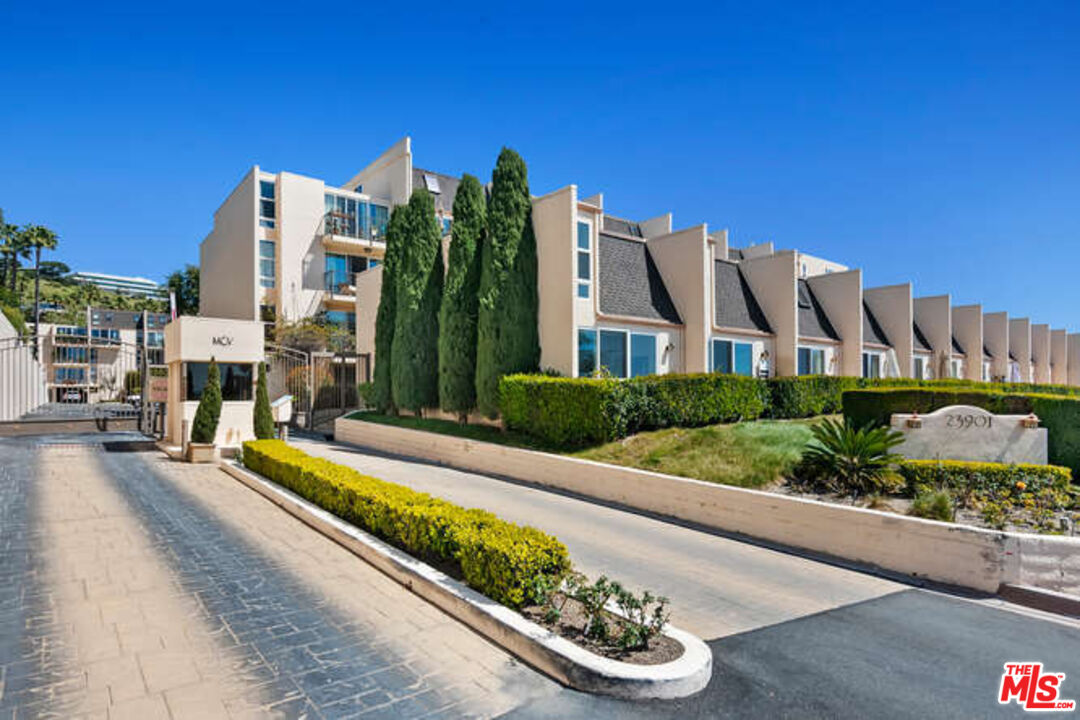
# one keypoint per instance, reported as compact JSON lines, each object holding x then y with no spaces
{"x":623,"y":296}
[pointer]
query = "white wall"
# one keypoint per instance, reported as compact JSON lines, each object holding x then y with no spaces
{"x":301,"y":257}
{"x":228,"y":257}
{"x":389,"y":176}
{"x":554,"y":224}
{"x":22,"y":378}
{"x":684,"y":260}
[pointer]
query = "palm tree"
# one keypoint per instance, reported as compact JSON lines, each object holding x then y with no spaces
{"x":13,"y":246}
{"x":39,"y":238}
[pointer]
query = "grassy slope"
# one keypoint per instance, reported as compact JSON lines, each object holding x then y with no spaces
{"x":750,"y":454}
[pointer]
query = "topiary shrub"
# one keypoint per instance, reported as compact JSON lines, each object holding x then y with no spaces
{"x":204,"y":427}
{"x":263,"y":419}
{"x":699,"y":399}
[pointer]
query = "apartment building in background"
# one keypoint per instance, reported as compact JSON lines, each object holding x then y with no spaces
{"x":123,"y":284}
{"x":286,"y":246}
{"x":89,"y":363}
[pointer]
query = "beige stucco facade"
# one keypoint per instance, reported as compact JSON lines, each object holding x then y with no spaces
{"x":933,"y":315}
{"x":773,"y":280}
{"x":1040,"y":353}
{"x":967,"y":328}
{"x":1020,"y":348}
{"x":892,"y":306}
{"x":1059,"y":357}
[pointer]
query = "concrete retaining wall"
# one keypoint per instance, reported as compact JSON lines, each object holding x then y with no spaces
{"x":941,"y":552}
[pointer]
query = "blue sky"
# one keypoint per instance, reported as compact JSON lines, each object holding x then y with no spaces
{"x":936,"y":144}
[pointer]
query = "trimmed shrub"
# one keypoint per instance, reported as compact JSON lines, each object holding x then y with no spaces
{"x":505,"y":562}
{"x":414,"y":372}
{"x":924,"y":476}
{"x":204,"y":426}
{"x":699,"y":399}
{"x":562,"y":411}
{"x":1060,"y":415}
{"x":263,"y":420}
{"x":383,"y":398}
{"x":807,"y":395}
{"x":366,"y":393}
{"x":457,"y":316}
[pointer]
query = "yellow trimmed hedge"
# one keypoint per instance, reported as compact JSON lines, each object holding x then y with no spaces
{"x":497,"y":558}
{"x":927,"y":475}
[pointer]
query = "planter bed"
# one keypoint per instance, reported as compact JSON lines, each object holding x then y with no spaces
{"x":674,"y":664}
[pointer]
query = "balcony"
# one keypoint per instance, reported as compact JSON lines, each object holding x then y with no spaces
{"x":339,"y":287}
{"x":353,"y":233}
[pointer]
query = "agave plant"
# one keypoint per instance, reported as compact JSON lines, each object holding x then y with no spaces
{"x":852,"y":460}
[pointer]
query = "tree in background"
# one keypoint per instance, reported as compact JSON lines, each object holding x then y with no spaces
{"x":185,"y":285}
{"x":500,"y":311}
{"x":385,"y":316}
{"x":55,"y":271}
{"x":264,"y":419}
{"x":14,"y":247}
{"x":414,"y":371}
{"x":457,"y":316}
{"x":39,"y":238}
{"x":204,"y":426}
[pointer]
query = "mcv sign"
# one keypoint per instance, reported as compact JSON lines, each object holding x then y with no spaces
{"x":221,"y":340}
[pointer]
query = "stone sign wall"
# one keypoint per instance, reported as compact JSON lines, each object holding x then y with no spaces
{"x":963,"y":432}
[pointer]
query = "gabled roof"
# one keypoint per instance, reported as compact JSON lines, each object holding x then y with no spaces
{"x":813,"y":322}
{"x":1011,"y":356}
{"x":920,"y":340}
{"x":734,"y":303}
{"x":956,"y":347}
{"x":613,"y":224}
{"x":871,"y":330}
{"x":442,"y":187}
{"x":630,"y":283}
{"x":986,"y":353}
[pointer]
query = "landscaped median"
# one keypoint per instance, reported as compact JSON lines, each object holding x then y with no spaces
{"x":591,"y":635}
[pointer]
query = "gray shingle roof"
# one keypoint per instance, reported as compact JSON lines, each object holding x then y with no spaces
{"x":956,"y":347}
{"x":871,"y":330}
{"x":630,"y":283}
{"x":920,"y":340}
{"x":813,"y":322}
{"x":447,"y":184}
{"x":735,"y":304}
{"x":623,"y":227}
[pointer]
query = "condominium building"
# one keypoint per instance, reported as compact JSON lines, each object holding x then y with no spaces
{"x":134,"y":286}
{"x":286,"y":247}
{"x":90,"y":362}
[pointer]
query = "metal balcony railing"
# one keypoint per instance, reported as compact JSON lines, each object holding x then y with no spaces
{"x":354,"y":227}
{"x":338,"y":282}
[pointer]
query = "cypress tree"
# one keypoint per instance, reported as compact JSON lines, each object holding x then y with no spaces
{"x":508,"y":213}
{"x":523,"y":305}
{"x":263,"y":420}
{"x":457,"y":316}
{"x":384,"y":318}
{"x":414,"y":363}
{"x":204,"y":426}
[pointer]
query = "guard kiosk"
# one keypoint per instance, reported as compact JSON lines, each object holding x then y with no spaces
{"x":237,"y":346}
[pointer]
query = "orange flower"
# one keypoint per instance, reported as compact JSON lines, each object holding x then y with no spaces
{"x":1021,"y":485}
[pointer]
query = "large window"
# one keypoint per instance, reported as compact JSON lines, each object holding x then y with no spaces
{"x":69,"y":354}
{"x":956,"y":368}
{"x":871,"y":365}
{"x":729,"y":356}
{"x":586,"y":352}
{"x":266,"y":263}
{"x":267,"y":205}
{"x":584,"y":259}
{"x":236,"y":380}
{"x":378,"y":216}
{"x":341,"y":270}
{"x":918,"y":368}
{"x":642,"y":354}
{"x":811,"y":361}
{"x":342,"y":319}
{"x":70,"y":376}
{"x":344,"y":215}
{"x":613,"y":352}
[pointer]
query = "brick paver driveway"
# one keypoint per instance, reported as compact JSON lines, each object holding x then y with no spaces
{"x":131,"y":586}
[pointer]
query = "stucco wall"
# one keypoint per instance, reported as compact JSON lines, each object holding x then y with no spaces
{"x":967,"y":326}
{"x":772,"y":279}
{"x":996,"y":339}
{"x":1059,"y":357}
{"x":228,"y":257}
{"x":1072,"y":342}
{"x":1020,"y":345}
{"x":684,"y":261}
{"x":301,"y":258}
{"x":943,"y":552}
{"x":554,"y":223}
{"x":368,"y":290}
{"x":389,"y":176}
{"x":934,"y":317}
{"x":891,"y":305}
{"x":1040,"y":350}
{"x":840,"y":294}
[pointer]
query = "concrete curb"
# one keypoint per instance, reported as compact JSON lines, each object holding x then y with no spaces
{"x":552,"y":655}
{"x":1045,"y":600}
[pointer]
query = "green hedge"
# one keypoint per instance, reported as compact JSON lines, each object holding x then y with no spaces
{"x":570,"y":412}
{"x":922,"y":476}
{"x":499,"y":559}
{"x":1060,"y":415}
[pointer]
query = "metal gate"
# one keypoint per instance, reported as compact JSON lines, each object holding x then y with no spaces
{"x":76,"y":377}
{"x":322,"y":384}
